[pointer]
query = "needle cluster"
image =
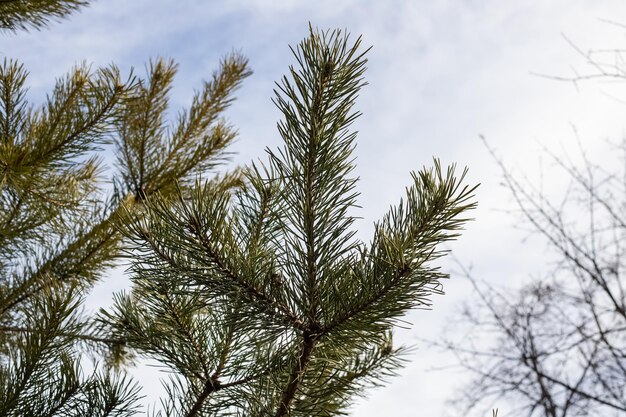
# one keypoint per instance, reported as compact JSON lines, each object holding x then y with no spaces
{"x":260,"y":300}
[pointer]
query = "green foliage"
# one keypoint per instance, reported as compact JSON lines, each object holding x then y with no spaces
{"x":251,"y":287}
{"x":259,"y":299}
{"x":60,"y":221}
{"x":43,"y":376}
{"x":152,"y":155}
{"x":35,"y":14}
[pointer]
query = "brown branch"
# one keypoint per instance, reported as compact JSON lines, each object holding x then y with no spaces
{"x":211,"y":385}
{"x":582,"y":393}
{"x":296,"y":375}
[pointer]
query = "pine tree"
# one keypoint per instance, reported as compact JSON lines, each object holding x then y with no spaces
{"x":35,"y":14}
{"x":259,"y":300}
{"x":60,"y":222}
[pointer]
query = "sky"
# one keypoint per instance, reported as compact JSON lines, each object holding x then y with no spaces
{"x":441,"y":74}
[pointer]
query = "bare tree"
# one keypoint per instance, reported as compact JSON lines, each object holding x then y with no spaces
{"x":557,"y":347}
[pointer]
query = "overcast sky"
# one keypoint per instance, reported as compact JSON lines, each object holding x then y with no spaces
{"x":441,"y":73}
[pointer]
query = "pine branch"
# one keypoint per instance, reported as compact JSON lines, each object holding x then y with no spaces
{"x":80,"y":337}
{"x":103,"y":239}
{"x":151,"y":158}
{"x":251,"y":293}
{"x":65,"y":237}
{"x":78,"y":262}
{"x":295,"y":314}
{"x":296,"y":375}
{"x":35,"y":14}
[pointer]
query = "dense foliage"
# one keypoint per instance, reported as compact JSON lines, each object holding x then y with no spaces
{"x":60,"y":223}
{"x":249,"y":287}
{"x":260,"y":300}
